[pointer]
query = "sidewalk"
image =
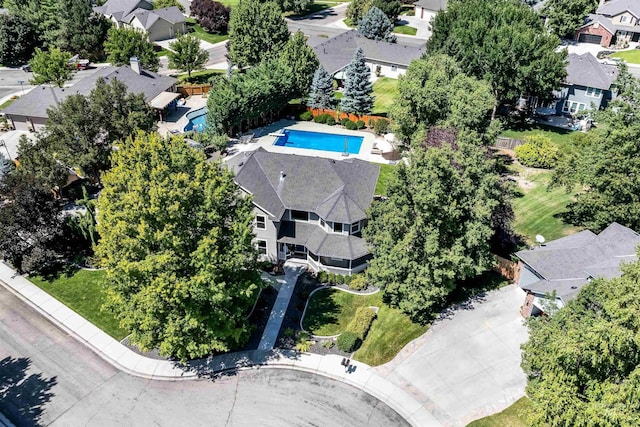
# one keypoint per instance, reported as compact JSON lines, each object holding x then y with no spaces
{"x":361,"y":375}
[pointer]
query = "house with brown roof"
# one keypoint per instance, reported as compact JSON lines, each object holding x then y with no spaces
{"x":616,"y":22}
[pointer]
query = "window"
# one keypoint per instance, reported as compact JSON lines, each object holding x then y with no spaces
{"x":322,"y":223}
{"x":355,"y":227}
{"x":572,"y":107}
{"x":262,"y":247}
{"x":394,"y":67}
{"x":300,"y":215}
{"x":624,"y":18}
{"x":596,"y":93}
{"x":261,"y":222}
{"x":313,"y":216}
{"x":337,"y":227}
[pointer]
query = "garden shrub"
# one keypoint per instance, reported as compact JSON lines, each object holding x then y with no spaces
{"x":371,"y":123}
{"x":306,"y":116}
{"x":361,"y":322}
{"x":347,"y":342}
{"x":331,"y":278}
{"x":381,"y":126}
{"x":339,"y":279}
{"x":331,"y":121}
{"x":344,"y":121}
{"x":321,"y":118}
{"x":347,"y":279}
{"x":360,"y":124}
{"x":328,"y":344}
{"x":303,"y":343}
{"x":288,"y":332}
{"x":358,"y":283}
{"x":323,"y":277}
{"x":351,"y":125}
{"x":538,"y":151}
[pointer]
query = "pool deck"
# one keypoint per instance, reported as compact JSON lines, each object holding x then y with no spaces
{"x":265,"y":140}
{"x":177,"y":119}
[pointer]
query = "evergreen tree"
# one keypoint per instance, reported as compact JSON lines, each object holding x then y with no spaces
{"x":176,"y":242}
{"x":356,"y":10}
{"x":81,"y":31}
{"x":257,"y":31}
{"x":124,"y":43}
{"x":375,"y":25}
{"x":302,"y":61}
{"x":18,"y":40}
{"x":357,"y":96}
{"x":186,"y":55}
{"x":321,"y":94}
{"x":42,"y":14}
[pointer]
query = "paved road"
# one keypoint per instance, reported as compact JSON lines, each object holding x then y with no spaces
{"x":10,"y":78}
{"x":47,"y":377}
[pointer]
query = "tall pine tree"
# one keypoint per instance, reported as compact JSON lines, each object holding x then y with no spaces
{"x":375,"y":25}
{"x":321,"y":93}
{"x":357,"y":96}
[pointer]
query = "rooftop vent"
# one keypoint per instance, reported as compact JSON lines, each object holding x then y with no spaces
{"x":282,"y":175}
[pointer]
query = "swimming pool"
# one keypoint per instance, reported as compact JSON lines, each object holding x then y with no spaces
{"x":320,"y":141}
{"x":197,"y":120}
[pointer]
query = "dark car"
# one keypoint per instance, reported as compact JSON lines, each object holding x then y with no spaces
{"x":26,"y":68}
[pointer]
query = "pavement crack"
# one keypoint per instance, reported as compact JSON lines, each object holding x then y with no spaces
{"x":235,"y":398}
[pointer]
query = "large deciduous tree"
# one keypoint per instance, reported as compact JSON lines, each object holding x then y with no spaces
{"x":176,"y":242}
{"x":213,"y":16}
{"x":124,"y":43}
{"x":321,"y":94}
{"x":502,"y":42}
{"x":436,"y":225}
{"x":356,"y":10}
{"x":564,"y":17}
{"x":257,"y":31}
{"x":391,"y":8}
{"x":302,"y":61}
{"x":357,"y":96}
{"x":375,"y":25}
{"x":50,"y":67}
{"x":18,"y":40}
{"x":434,"y":91}
{"x":295,"y":6}
{"x":583,"y":363}
{"x":186,"y":55}
{"x":42,"y":14}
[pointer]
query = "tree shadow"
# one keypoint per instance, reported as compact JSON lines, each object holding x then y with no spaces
{"x":22,"y":396}
{"x":321,"y":310}
{"x":470,"y":292}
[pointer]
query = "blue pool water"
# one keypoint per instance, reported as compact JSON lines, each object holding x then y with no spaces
{"x":319,"y":141}
{"x":197,"y":120}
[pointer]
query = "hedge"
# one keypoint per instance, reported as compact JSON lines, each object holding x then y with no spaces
{"x":347,"y":342}
{"x":358,"y":283}
{"x":306,"y":116}
{"x":538,"y":151}
{"x":361,"y":322}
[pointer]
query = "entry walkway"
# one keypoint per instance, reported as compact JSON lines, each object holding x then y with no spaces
{"x":270,"y":334}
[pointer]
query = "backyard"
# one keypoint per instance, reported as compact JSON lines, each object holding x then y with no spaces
{"x":385,"y":90}
{"x":559,"y":136}
{"x":386,"y":172}
{"x":83,"y":292}
{"x":631,"y":56}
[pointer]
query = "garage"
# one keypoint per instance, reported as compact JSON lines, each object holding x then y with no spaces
{"x":590,"y":38}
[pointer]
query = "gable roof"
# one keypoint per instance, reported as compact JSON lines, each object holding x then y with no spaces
{"x":337,"y":52}
{"x":36,"y":102}
{"x":585,"y":70}
{"x":149,"y":17}
{"x":337,"y":190}
{"x":121,"y":8}
{"x":616,"y":7}
{"x":434,"y":5}
{"x":567,"y":264}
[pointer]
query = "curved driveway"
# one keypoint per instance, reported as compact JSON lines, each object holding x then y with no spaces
{"x":48,"y":378}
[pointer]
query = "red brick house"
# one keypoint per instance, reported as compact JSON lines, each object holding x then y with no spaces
{"x":616,"y":22}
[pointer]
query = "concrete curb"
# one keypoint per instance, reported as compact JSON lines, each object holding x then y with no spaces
{"x":124,"y":359}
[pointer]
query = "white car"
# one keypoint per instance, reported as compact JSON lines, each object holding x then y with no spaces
{"x":613,"y":61}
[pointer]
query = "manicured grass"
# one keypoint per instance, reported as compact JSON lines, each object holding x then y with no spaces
{"x":315,"y":7}
{"x":349,"y":23}
{"x":83,"y":293}
{"x":559,"y":136}
{"x":631,"y":56}
{"x":405,"y":29}
{"x":385,"y":90}
{"x":513,"y":416}
{"x":199,"y":77}
{"x":230,"y":3}
{"x":330,"y":311}
{"x":8,"y":102}
{"x":386,"y":171}
{"x":162,"y":52}
{"x":537,"y":211}
{"x":200,"y":33}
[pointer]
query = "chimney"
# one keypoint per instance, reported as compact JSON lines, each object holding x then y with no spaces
{"x":135,"y":64}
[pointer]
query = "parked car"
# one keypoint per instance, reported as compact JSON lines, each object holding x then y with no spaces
{"x":26,"y":68}
{"x":612,"y":61}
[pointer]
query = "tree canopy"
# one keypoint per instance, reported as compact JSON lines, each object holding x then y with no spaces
{"x":356,"y":10}
{"x":213,"y":16}
{"x":375,"y":25}
{"x":50,"y":67}
{"x":18,"y":40}
{"x":502,"y":42}
{"x":295,"y":6}
{"x":257,"y":31}
{"x":391,"y":8}
{"x":176,"y":242}
{"x":321,"y":94}
{"x":302,"y":61}
{"x":124,"y":43}
{"x":564,"y":17}
{"x":583,"y":363}
{"x":82,"y":32}
{"x":186,"y":55}
{"x":435,"y":227}
{"x":357,"y":96}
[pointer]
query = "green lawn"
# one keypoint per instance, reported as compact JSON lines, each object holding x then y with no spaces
{"x":200,"y":33}
{"x":386,"y":171}
{"x":631,"y":56}
{"x":385,"y":90}
{"x":513,"y":416}
{"x":162,"y":52}
{"x":559,"y":136}
{"x":330,"y":311}
{"x":8,"y":102}
{"x":230,"y":3}
{"x":536,"y":212}
{"x":83,"y":293}
{"x":315,"y":7}
{"x":405,"y":29}
{"x":199,"y":77}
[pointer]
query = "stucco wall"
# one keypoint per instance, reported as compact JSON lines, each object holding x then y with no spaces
{"x":386,"y":70}
{"x":629,"y":19}
{"x":163,"y":30}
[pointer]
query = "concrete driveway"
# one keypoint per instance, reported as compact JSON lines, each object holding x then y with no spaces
{"x":467,"y":365}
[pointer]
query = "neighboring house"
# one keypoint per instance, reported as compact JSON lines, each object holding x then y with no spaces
{"x":615,"y":22}
{"x":309,"y":208}
{"x":565,"y":265}
{"x":588,"y":86}
{"x":29,"y":112}
{"x":427,"y":9}
{"x":382,"y":58}
{"x":159,"y":24}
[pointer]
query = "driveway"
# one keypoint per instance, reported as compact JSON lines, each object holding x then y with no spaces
{"x":467,"y":365}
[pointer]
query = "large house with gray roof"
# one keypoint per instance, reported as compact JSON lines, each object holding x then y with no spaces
{"x":616,"y":22}
{"x":29,"y":112}
{"x":565,"y":265}
{"x":158,"y":24}
{"x":309,"y":208}
{"x":383,"y":58}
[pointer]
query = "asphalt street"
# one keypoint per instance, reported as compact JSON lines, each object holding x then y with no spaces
{"x":48,"y":378}
{"x":10,"y":79}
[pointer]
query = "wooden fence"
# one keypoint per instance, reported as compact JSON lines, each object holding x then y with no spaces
{"x":506,"y":268}
{"x":507,"y":143}
{"x":352,"y":117}
{"x":194,"y":89}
